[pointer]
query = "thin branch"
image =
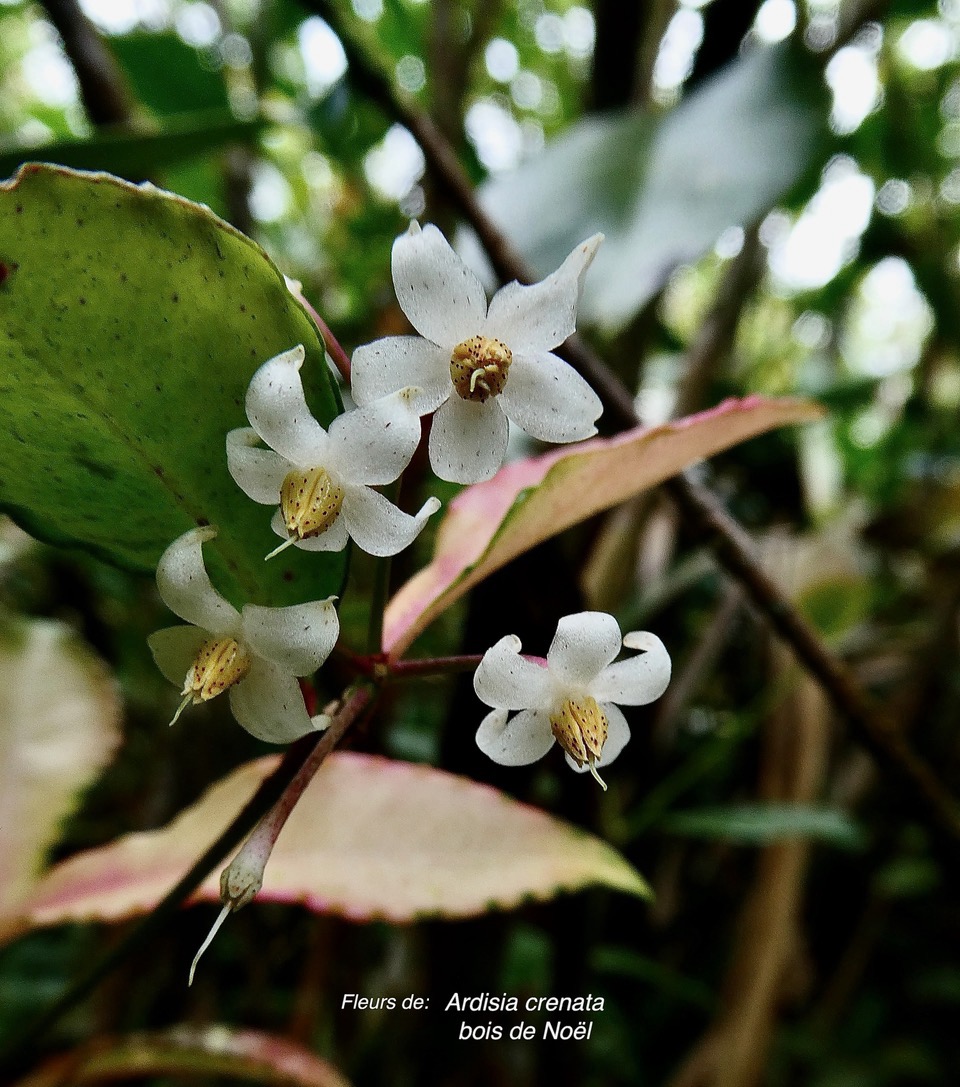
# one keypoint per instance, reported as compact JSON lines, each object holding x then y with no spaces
{"x":429,"y":667}
{"x":854,"y":15}
{"x":102,"y":85}
{"x":717,"y":331}
{"x":381,"y":669}
{"x":269,"y":827}
{"x":241,"y":880}
{"x":731,"y":544}
{"x":338,"y":356}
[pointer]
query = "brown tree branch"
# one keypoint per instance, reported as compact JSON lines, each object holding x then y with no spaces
{"x":103,"y":88}
{"x":718,"y":329}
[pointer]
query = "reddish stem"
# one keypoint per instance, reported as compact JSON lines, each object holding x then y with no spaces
{"x":340,"y":358}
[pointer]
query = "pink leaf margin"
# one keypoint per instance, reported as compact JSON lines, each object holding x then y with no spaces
{"x":250,"y":1056}
{"x":526,"y":502}
{"x":371,"y":839}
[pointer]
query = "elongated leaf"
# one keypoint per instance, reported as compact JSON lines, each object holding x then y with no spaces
{"x":59,"y":725}
{"x":761,"y":824}
{"x":370,"y":839}
{"x":136,"y":155}
{"x":530,"y":500}
{"x":246,"y":1056}
{"x":133,"y":321}
{"x":663,"y":190}
{"x":169,"y":76}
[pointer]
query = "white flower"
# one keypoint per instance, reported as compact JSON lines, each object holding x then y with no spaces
{"x":322,"y":479}
{"x":479,"y":366}
{"x":256,"y":653}
{"x":572,"y":699}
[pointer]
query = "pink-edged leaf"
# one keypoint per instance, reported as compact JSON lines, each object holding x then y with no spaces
{"x":59,"y":726}
{"x":490,"y":523}
{"x":371,"y":839}
{"x":246,"y":1056}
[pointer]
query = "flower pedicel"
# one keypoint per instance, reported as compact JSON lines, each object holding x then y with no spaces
{"x":478,"y":366}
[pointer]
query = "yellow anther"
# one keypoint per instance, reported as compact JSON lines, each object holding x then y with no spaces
{"x":580,"y":728}
{"x":479,"y":366}
{"x":310,"y":502}
{"x":219,"y":663}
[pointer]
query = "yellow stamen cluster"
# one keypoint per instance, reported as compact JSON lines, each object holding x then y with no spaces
{"x":309,"y":501}
{"x":580,"y":728}
{"x":478,"y":368}
{"x":219,"y":663}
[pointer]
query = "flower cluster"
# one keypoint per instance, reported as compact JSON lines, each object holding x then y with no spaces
{"x":475,"y":366}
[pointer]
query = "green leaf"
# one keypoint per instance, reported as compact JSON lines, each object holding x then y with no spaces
{"x":136,"y":155}
{"x":132,"y":323}
{"x":761,"y":824}
{"x":663,"y":190}
{"x":399,"y":842}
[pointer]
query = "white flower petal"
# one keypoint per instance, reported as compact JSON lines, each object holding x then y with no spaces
{"x":549,"y":399}
{"x":468,"y":440}
{"x":185,"y":587}
{"x":278,"y":411}
{"x":506,"y":681}
{"x":517,"y":742}
{"x":585,"y":643}
{"x":334,"y":539}
{"x":380,"y":368}
{"x":542,"y":316}
{"x":298,"y":639}
{"x":268,"y":703}
{"x":373,"y":445}
{"x":618,"y":733}
{"x":377,"y":525}
{"x":636,"y":680}
{"x":440,"y":295}
{"x":174,"y":650}
{"x":257,"y":472}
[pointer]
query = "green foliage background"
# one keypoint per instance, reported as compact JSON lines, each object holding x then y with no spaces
{"x":859,"y":515}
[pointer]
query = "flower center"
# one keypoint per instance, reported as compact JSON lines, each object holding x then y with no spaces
{"x":309,"y":501}
{"x":478,"y":368}
{"x":219,"y":663}
{"x":580,"y":728}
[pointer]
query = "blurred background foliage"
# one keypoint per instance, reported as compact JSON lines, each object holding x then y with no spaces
{"x":794,"y":235}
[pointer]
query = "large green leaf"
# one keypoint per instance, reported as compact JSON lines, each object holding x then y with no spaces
{"x":663,"y":190}
{"x":132,"y":323}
